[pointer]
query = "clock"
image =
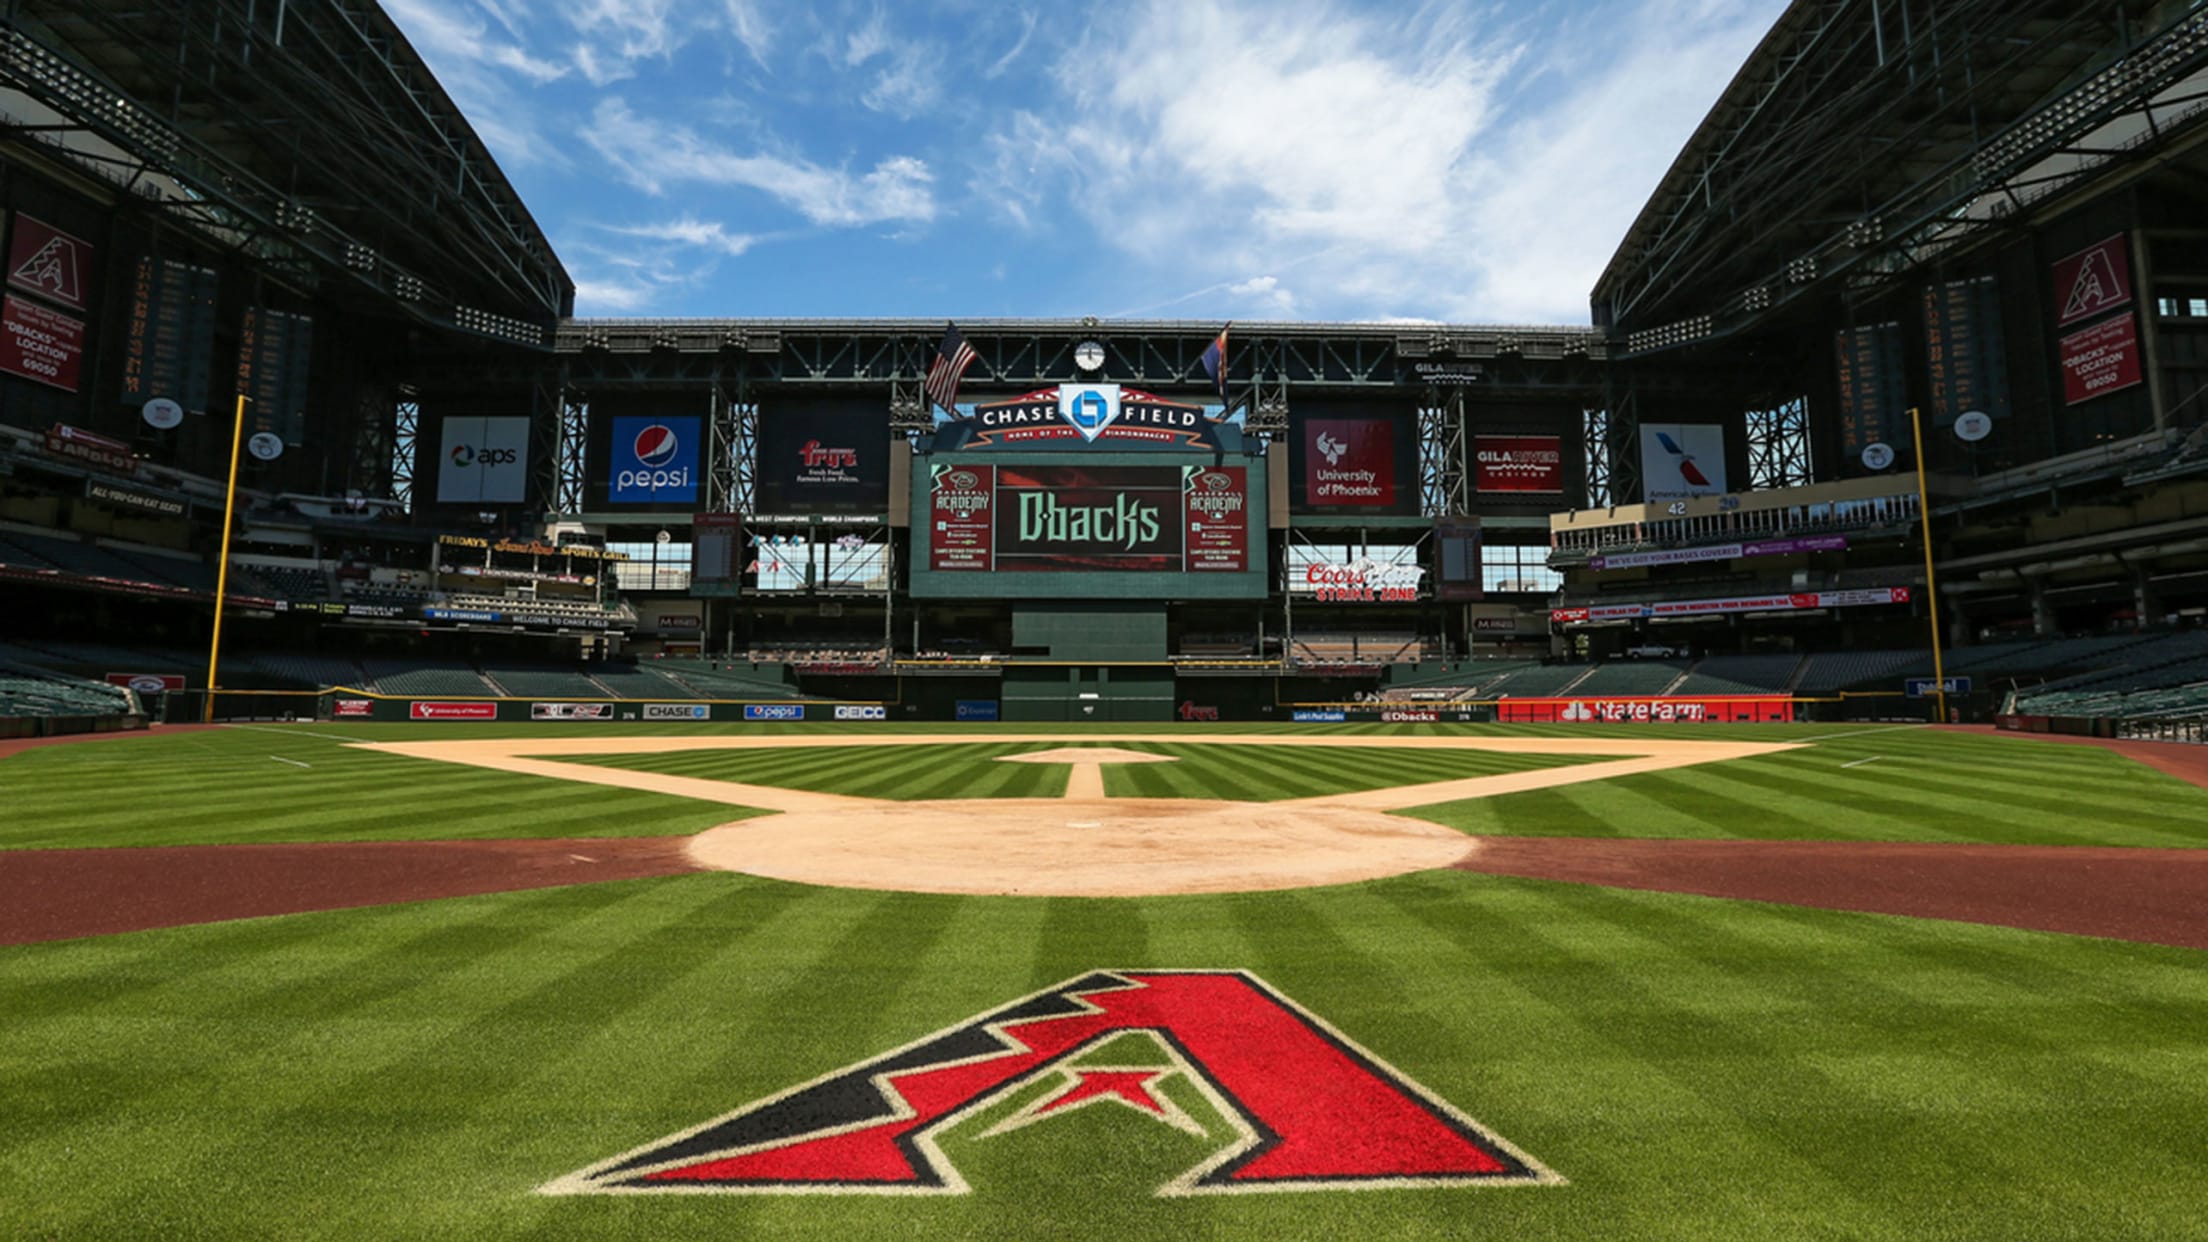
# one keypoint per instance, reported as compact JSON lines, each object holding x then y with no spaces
{"x":1089,"y":356}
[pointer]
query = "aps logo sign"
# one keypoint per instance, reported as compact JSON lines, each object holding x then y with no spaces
{"x":655,"y":461}
{"x":1298,"y":1105}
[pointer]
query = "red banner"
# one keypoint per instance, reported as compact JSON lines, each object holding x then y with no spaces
{"x":352,"y":707}
{"x":1761,"y":709}
{"x":2099,"y":360}
{"x":1215,"y":504}
{"x":1349,"y":461}
{"x":2094,"y":280}
{"x":48,"y":262}
{"x":1518,"y":463}
{"x":961,"y":525}
{"x":90,"y":448}
{"x":452,"y":711}
{"x":147,"y":683}
{"x":40,"y":344}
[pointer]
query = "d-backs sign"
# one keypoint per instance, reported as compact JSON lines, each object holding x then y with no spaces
{"x":1121,"y":519}
{"x":1082,"y":414}
{"x":655,"y":461}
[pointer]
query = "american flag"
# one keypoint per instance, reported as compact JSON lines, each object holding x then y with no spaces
{"x":952,"y":358}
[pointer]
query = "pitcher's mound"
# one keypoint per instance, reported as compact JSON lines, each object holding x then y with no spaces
{"x":1087,"y":754}
{"x":1115,"y":847}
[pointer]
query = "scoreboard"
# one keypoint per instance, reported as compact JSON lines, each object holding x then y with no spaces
{"x":1088,"y":526}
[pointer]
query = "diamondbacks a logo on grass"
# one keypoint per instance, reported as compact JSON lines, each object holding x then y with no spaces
{"x":1293,"y":1103}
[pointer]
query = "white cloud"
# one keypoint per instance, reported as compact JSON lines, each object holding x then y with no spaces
{"x":1027,"y":31}
{"x":1434,"y":163}
{"x":601,"y":297}
{"x":653,"y":155}
{"x":691,"y":231}
{"x":618,"y":33}
{"x":751,"y":29}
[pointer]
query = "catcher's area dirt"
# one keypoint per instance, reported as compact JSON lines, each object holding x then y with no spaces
{"x":60,"y":894}
{"x":1085,"y":844}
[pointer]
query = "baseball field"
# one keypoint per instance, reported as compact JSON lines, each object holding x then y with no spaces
{"x":634,"y":981}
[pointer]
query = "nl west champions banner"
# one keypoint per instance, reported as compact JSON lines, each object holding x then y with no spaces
{"x":654,"y":460}
{"x":483,"y":461}
{"x":1679,"y":460}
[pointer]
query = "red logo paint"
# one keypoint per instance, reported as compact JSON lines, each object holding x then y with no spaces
{"x":1307,"y":1108}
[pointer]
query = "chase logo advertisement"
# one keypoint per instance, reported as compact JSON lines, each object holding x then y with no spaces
{"x":655,"y":461}
{"x":1073,"y":415}
{"x":677,"y":711}
{"x":1284,"y":1102}
{"x":773,"y":711}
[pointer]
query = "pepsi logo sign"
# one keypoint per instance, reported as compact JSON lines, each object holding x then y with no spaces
{"x":656,"y":445}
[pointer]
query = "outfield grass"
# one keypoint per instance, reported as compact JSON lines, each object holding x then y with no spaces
{"x":1698,"y":1069}
{"x":972,"y":770}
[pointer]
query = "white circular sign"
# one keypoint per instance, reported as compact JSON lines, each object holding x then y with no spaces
{"x":1089,"y":356}
{"x":163,"y":414}
{"x":265,"y":446}
{"x":1973,"y":426}
{"x":1877,"y":456}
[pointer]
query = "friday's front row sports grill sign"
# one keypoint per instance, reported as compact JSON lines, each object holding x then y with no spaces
{"x":1289,"y":1102}
{"x":1138,"y":519}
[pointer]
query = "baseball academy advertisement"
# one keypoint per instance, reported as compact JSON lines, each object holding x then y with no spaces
{"x":655,"y":461}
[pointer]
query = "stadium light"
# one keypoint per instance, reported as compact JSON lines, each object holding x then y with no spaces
{"x":1931,"y":589}
{"x":222,"y":565}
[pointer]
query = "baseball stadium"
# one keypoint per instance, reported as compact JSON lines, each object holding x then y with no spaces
{"x":1736,"y":768}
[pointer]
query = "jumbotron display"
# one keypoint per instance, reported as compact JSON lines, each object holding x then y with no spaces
{"x":1070,"y":519}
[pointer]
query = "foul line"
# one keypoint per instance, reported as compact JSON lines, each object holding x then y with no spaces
{"x":302,"y":730}
{"x":293,"y":762}
{"x":1860,"y":762}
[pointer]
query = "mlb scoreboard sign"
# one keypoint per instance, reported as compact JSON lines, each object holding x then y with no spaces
{"x":1109,"y":519}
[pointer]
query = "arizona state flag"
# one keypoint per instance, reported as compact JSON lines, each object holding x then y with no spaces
{"x":1215,"y":363}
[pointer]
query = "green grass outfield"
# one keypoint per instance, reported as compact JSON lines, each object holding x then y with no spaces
{"x":1698,"y":1068}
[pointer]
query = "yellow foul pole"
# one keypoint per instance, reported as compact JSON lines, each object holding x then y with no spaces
{"x":222,"y":566}
{"x":1931,"y":589}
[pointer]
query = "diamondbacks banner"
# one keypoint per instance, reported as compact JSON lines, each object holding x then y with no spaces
{"x":40,"y":343}
{"x":50,"y":263}
{"x":1070,"y":519}
{"x":2093,"y":281}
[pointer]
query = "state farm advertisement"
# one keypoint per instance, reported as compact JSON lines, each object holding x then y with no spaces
{"x":452,"y":711}
{"x":1759,"y":709}
{"x":2100,"y":360}
{"x":1215,"y":503}
{"x":1518,"y":463}
{"x":1071,"y":519}
{"x":961,"y":516}
{"x":1349,"y":463}
{"x":40,"y":344}
{"x":823,"y":455}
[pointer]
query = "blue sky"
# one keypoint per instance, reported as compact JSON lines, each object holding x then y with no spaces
{"x":1180,"y":159}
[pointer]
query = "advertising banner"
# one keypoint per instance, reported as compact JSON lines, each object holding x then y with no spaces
{"x":1410,"y":715}
{"x":1518,"y":463}
{"x":147,"y":683}
{"x":678,"y":711}
{"x":130,"y":498}
{"x":1362,"y":581}
{"x":823,"y":456}
{"x":571,"y":711}
{"x":867,"y":711}
{"x":1859,"y":598}
{"x":1758,"y":709}
{"x":40,"y":344}
{"x":1349,"y":462}
{"x":1319,"y":715}
{"x":773,"y":711}
{"x":344,"y":708}
{"x":452,"y":711}
{"x":2094,"y":280}
{"x":1215,"y":506}
{"x":1719,"y":552}
{"x":484,"y":461}
{"x":655,"y":462}
{"x":962,"y":518}
{"x":90,"y":448}
{"x":1679,"y":460}
{"x":976,"y":709}
{"x":2099,"y":360}
{"x":50,"y":263}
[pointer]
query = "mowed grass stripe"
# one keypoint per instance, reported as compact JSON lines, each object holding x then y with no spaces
{"x":1269,"y":774}
{"x":902,"y":773}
